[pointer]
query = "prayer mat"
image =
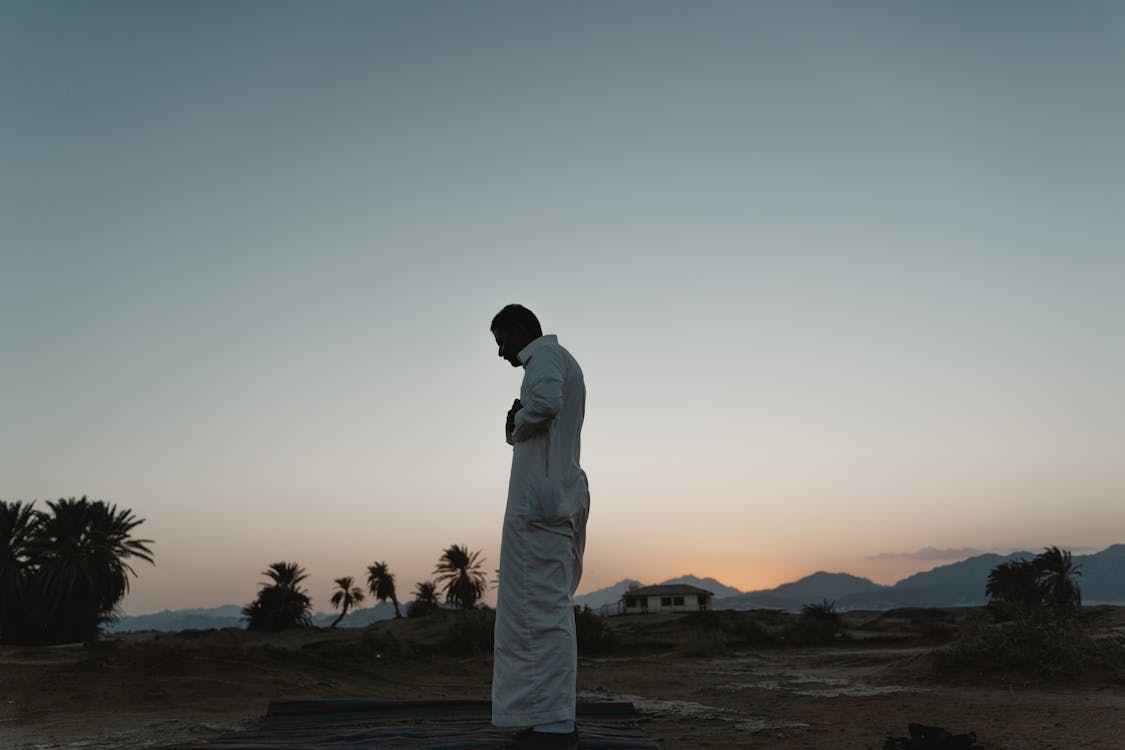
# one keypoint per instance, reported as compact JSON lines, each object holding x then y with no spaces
{"x":418,"y":725}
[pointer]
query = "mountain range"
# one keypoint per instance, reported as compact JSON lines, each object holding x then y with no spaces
{"x":230,"y":616}
{"x":959,"y":584}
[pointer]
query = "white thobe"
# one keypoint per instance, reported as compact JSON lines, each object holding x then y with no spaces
{"x":535,"y":654}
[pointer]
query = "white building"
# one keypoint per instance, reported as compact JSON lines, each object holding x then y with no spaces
{"x":670,"y":598}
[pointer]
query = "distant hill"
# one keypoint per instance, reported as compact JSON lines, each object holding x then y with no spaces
{"x":959,"y":584}
{"x":230,"y":616}
{"x":1103,"y":576}
{"x":225,"y":616}
{"x":821,"y":585}
{"x":962,"y":584}
{"x":707,"y":584}
{"x":807,"y":590}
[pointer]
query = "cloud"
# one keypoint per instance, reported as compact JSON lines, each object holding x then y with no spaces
{"x":930,"y":553}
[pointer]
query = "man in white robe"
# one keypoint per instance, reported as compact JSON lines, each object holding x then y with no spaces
{"x":544,"y":536}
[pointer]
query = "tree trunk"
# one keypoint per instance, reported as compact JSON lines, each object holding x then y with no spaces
{"x":337,"y":620}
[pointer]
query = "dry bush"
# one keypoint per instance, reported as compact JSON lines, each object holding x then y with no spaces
{"x":470,"y":633}
{"x":817,"y":624}
{"x":1049,"y":647}
{"x":593,"y":633}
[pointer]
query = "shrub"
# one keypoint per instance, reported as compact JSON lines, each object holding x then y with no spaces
{"x":817,"y":624}
{"x":593,"y":634}
{"x":717,"y":631}
{"x":753,"y":633}
{"x":425,"y":599}
{"x":1035,"y":624}
{"x":420,"y":608}
{"x":471,"y":632}
{"x":1052,"y":648}
{"x":825,"y":611}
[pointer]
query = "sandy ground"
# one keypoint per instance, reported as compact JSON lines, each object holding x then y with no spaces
{"x":145,"y":689}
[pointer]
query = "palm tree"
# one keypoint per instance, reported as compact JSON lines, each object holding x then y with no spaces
{"x":282,"y":604}
{"x":80,"y":552}
{"x":1057,"y":572}
{"x":17,"y":521}
{"x":381,"y":584}
{"x":345,"y":595}
{"x":286,"y":575}
{"x":425,"y":599}
{"x":426,"y":591}
{"x":1014,"y":585}
{"x":460,"y":572}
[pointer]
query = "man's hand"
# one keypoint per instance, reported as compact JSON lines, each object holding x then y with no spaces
{"x":510,"y":425}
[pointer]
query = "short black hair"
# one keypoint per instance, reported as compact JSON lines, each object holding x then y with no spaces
{"x":517,"y":316}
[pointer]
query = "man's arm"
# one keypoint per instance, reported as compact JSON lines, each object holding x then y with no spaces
{"x":510,"y":423}
{"x":544,"y":373}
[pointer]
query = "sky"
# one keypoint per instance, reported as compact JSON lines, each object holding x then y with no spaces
{"x":845,"y":279}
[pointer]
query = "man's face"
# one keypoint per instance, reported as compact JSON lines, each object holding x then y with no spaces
{"x":509,"y":344}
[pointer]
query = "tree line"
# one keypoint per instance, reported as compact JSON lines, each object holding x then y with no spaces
{"x":282,"y":602}
{"x":63,"y":571}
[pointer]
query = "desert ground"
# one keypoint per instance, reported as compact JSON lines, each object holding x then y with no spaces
{"x":700,"y":682}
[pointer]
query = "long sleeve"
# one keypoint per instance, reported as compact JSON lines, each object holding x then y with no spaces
{"x":543,"y":378}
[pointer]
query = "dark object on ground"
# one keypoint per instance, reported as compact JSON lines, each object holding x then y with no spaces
{"x":529,"y":739}
{"x":923,"y":737}
{"x":448,"y":725}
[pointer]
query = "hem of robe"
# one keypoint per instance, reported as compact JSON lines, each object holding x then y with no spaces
{"x":524,"y":719}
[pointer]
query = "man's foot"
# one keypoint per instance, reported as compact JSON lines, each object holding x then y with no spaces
{"x":529,"y":739}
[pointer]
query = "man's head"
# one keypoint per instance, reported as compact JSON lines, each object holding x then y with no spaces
{"x":514,"y":327}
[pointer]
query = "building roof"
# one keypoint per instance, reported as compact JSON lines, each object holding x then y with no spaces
{"x":676,"y":589}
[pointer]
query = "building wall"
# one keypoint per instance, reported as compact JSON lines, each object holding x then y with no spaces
{"x":683,"y":603}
